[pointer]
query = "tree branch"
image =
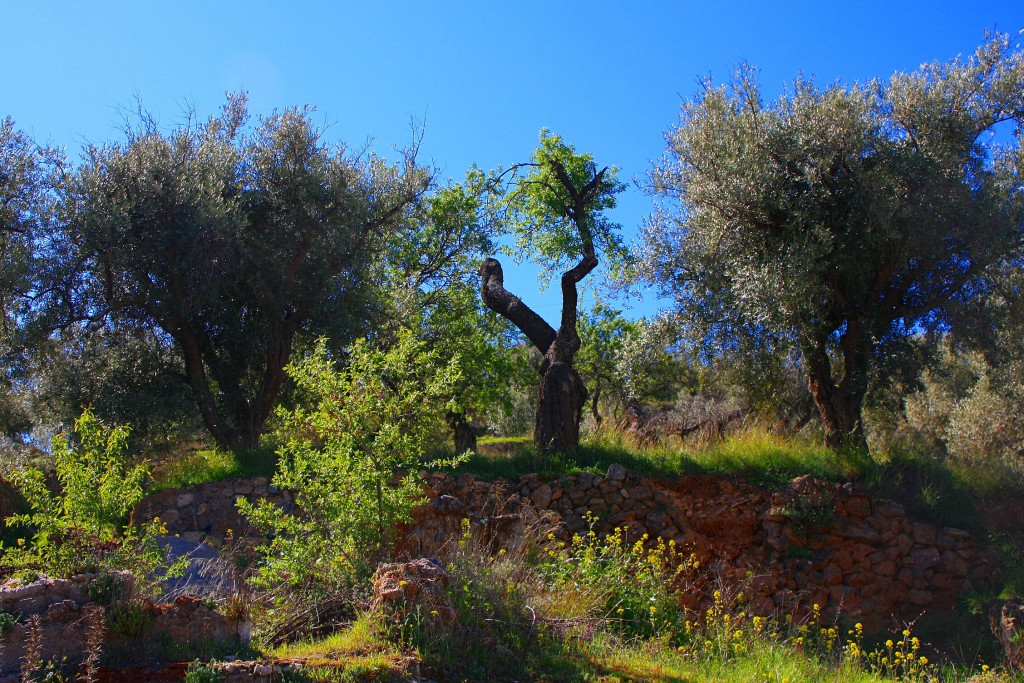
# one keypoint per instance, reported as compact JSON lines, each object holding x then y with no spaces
{"x":511,"y":307}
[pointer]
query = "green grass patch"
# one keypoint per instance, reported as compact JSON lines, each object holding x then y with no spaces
{"x":213,"y":464}
{"x":755,"y":455}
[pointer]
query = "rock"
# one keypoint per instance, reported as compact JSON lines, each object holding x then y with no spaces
{"x":924,"y":534}
{"x":858,"y":506}
{"x":616,"y":473}
{"x":888,"y":508}
{"x":420,"y":584}
{"x":1007,"y":622}
{"x":541,"y":496}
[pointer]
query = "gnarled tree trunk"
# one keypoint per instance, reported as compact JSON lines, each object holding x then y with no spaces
{"x":839,"y":404}
{"x":562,"y":391}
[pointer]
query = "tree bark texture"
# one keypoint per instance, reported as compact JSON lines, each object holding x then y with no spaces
{"x":840,"y":405}
{"x":562,"y":391}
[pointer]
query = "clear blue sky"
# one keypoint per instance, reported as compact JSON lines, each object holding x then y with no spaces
{"x":485,"y":76}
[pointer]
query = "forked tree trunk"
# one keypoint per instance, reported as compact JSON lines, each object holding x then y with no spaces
{"x":562,"y":391}
{"x":840,"y":405}
{"x":463,"y":433}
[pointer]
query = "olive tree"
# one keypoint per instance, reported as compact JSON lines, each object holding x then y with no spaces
{"x":27,"y":175}
{"x":231,"y":240}
{"x":838,"y":219}
{"x":555,"y":208}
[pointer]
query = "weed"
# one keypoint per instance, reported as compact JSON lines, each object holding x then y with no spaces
{"x":129,"y":619}
{"x":96,"y":629}
{"x":105,"y":588}
{"x":7,"y":622}
{"x":198,"y":672}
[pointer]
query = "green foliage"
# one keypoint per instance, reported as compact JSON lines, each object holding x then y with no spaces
{"x":105,"y":588}
{"x":27,"y":175}
{"x":483,"y":346}
{"x":837,"y":220}
{"x":82,"y":527}
{"x":229,"y":239}
{"x":548,"y":223}
{"x":199,"y":672}
{"x":7,"y":622}
{"x":129,"y":618}
{"x":124,"y":375}
{"x":98,"y":488}
{"x":352,"y":456}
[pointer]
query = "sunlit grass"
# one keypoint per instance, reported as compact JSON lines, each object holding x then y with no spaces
{"x":362,"y":637}
{"x":754,"y":453}
{"x":762,"y":456}
{"x":356,"y":653}
{"x":213,"y":464}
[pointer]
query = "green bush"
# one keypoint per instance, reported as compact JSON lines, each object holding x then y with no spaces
{"x":129,"y":618}
{"x":351,"y":455}
{"x":83,"y":527}
{"x":7,"y":622}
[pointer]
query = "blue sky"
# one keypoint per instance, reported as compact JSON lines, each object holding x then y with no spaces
{"x":484,"y":76}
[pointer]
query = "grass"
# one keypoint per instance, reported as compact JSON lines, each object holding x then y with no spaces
{"x":755,"y":454}
{"x":931,"y":486}
{"x":506,"y":631}
{"x":206,"y":465}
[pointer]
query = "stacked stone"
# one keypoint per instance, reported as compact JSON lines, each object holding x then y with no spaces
{"x":64,"y":621}
{"x":208,"y":512}
{"x":812,"y":542}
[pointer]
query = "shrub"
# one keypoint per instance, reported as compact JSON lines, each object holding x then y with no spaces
{"x":7,"y":622}
{"x":351,"y":454}
{"x":83,"y":526}
{"x":129,"y":618}
{"x":202,"y":673}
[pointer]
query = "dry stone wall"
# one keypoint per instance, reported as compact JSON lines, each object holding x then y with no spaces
{"x":207,"y":512}
{"x":63,"y":609}
{"x":811,"y":542}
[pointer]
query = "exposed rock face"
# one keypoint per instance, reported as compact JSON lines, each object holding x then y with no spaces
{"x":811,"y":542}
{"x":420,"y":585}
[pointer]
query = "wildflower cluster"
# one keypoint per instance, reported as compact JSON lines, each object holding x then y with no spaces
{"x":725,"y":629}
{"x":901,"y":660}
{"x":633,"y":584}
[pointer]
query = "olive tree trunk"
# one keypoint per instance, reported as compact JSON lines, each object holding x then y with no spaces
{"x":562,"y":391}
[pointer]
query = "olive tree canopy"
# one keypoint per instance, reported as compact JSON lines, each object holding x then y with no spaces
{"x":839,"y":219}
{"x":230,"y":240}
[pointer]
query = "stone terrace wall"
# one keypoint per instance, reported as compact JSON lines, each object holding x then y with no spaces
{"x":207,"y":512}
{"x":62,"y":605}
{"x":811,"y":542}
